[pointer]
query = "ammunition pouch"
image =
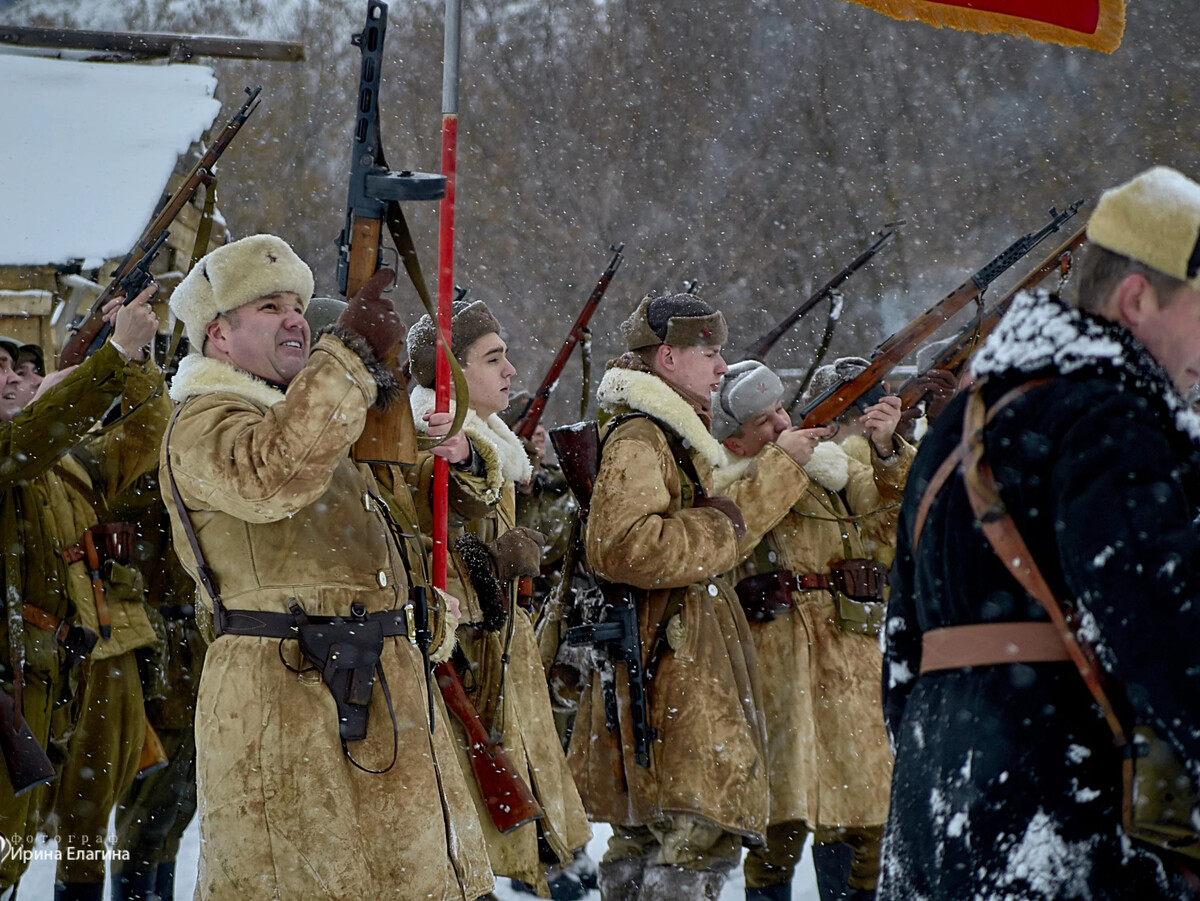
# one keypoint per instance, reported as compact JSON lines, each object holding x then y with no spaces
{"x":858,"y":587}
{"x":113,"y":541}
{"x":122,"y":582}
{"x":767,"y":595}
{"x":1159,"y":796}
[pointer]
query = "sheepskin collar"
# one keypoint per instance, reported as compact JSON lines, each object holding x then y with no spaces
{"x":498,"y":437}
{"x":647,"y":393}
{"x":204,"y":375}
{"x":1042,"y":336}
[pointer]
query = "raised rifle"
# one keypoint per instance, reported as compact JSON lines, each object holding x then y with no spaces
{"x":826,"y":408}
{"x":373,"y":199}
{"x":955,"y":356}
{"x":26,"y":761}
{"x":616,"y":634}
{"x":509,"y":801}
{"x":763,"y":346}
{"x":87,"y":337}
{"x":532,"y":413}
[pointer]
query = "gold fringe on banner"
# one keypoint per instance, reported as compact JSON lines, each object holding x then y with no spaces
{"x":1107,"y":36}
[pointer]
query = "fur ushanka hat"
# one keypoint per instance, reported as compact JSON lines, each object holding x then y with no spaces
{"x":470,"y":321}
{"x":234,"y":275}
{"x":747,"y":389}
{"x":1154,"y":219}
{"x":681,"y":320}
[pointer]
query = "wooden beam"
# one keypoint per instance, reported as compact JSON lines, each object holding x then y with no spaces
{"x":176,"y":47}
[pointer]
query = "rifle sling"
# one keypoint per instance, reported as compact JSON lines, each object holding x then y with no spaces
{"x":402,"y":238}
{"x":673,"y":602}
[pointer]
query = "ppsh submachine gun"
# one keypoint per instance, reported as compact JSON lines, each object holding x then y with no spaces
{"x":613,"y":630}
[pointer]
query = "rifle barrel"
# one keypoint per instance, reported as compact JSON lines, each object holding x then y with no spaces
{"x":537,"y":404}
{"x":764,"y":345}
{"x":954,"y":357}
{"x":75,"y":348}
{"x":837,"y":399}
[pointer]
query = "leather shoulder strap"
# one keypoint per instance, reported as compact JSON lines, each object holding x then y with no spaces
{"x":207,"y":579}
{"x":952,"y":462}
{"x":1010,"y":547}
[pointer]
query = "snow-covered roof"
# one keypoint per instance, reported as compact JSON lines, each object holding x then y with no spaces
{"x":88,"y":149}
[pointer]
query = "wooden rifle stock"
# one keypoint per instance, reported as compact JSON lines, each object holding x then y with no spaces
{"x":763,"y":346}
{"x":537,"y":404}
{"x":509,"y":801}
{"x":955,"y":357}
{"x":26,"y":762}
{"x":77,"y":346}
{"x":830,"y":405}
{"x":578,"y":450}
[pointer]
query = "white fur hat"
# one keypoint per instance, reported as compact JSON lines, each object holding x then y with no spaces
{"x":1154,"y":219}
{"x":747,"y":389}
{"x":236,"y":274}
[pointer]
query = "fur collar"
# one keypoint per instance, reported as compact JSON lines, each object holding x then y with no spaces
{"x":203,"y":375}
{"x":1041,"y":335}
{"x":829,"y":467}
{"x":492,"y":432}
{"x":647,"y":393}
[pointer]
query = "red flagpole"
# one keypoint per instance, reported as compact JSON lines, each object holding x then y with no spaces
{"x":441,"y":469}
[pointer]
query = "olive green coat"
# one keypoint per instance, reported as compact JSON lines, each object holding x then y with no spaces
{"x":707,"y":759}
{"x":485,"y":505}
{"x":282,"y":513}
{"x":828,"y":755}
{"x":32,"y":570}
{"x":75,"y":495}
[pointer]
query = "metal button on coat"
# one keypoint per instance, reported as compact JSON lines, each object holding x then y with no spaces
{"x":382,"y":579}
{"x":712,"y":589}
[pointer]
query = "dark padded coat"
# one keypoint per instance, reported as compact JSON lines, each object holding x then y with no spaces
{"x":1007,"y":784}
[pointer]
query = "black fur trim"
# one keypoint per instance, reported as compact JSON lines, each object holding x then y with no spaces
{"x":481,"y":568}
{"x":386,"y":381}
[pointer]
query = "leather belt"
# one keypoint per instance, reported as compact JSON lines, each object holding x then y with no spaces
{"x":268,"y":624}
{"x":991,"y":644}
{"x":47,"y":622}
{"x":810,"y":581}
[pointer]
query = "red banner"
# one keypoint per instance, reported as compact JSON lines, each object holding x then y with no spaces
{"x":1095,"y":24}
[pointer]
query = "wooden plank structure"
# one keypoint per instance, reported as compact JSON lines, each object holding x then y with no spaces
{"x":177,"y":48}
{"x":38,"y":302}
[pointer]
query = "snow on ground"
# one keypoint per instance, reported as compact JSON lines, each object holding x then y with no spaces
{"x":60,"y":117}
{"x":38,"y":882}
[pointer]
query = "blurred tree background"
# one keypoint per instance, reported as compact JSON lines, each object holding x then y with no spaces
{"x":751,"y":146}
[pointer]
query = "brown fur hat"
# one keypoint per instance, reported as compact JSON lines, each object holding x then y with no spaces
{"x":681,"y":320}
{"x":470,"y":321}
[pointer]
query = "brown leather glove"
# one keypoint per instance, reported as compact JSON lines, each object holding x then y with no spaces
{"x":730,"y":508}
{"x":518,"y":552}
{"x":373,"y":317}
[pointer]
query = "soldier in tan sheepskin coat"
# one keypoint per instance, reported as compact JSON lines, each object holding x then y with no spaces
{"x":259,"y":452}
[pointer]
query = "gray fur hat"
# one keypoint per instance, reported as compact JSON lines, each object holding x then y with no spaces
{"x":747,"y":389}
{"x":831,"y":374}
{"x":234,"y":275}
{"x":470,"y":321}
{"x":681,"y":320}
